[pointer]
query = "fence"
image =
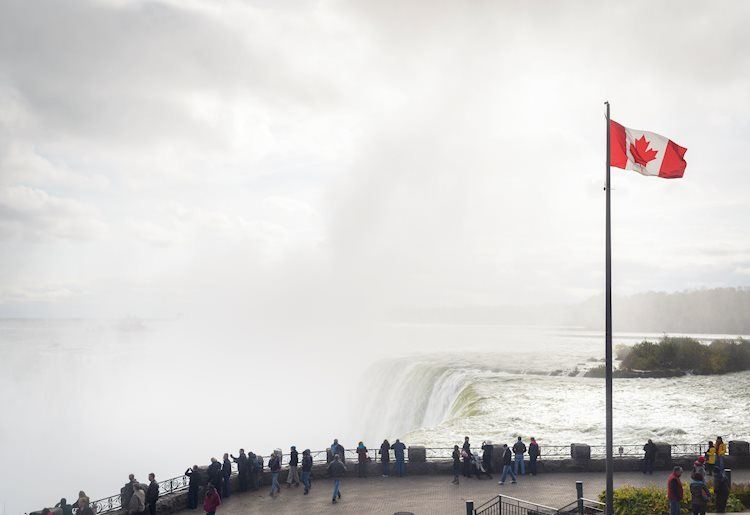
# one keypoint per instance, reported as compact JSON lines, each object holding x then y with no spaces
{"x":506,"y":505}
{"x":179,"y":483}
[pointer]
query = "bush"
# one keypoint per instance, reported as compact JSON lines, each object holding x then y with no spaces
{"x":649,"y":500}
{"x":742,"y":492}
{"x":687,"y":354}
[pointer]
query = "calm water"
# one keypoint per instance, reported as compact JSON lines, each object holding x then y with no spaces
{"x":87,"y":402}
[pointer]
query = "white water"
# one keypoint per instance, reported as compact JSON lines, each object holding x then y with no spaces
{"x":532,"y":384}
{"x":87,"y":402}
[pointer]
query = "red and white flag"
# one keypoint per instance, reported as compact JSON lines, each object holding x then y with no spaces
{"x":645,"y":152}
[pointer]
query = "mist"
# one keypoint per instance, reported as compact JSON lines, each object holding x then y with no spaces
{"x":266,"y":190}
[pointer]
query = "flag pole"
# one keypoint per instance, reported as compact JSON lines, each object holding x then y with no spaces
{"x":608,"y":335}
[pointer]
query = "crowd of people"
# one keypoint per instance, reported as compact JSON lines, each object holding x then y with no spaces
{"x":711,"y":464}
{"x":213,"y":483}
{"x":470,"y":463}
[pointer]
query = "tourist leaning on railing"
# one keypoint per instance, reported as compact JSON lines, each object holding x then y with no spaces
{"x":362,"y":460}
{"x":385,"y":457}
{"x":519,"y":449}
{"x":226,"y":474}
{"x":398,"y":451}
{"x":711,"y":459}
{"x":196,"y":479}
{"x":533,"y":455}
{"x":126,"y":492}
{"x":721,"y":451}
{"x":242,"y":464}
{"x":649,"y":457}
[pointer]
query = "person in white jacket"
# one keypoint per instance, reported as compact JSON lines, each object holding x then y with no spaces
{"x":138,"y":500}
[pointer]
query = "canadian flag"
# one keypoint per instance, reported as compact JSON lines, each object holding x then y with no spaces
{"x":645,"y":152}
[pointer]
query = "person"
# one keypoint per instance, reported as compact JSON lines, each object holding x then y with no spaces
{"x":307,"y":463}
{"x":127,"y":491}
{"x":721,"y":451}
{"x":212,"y":501}
{"x":242,"y":470}
{"x":292,"y":478}
{"x":398,"y":452}
{"x":487,"y":456}
{"x":226,"y":474}
{"x":385,"y":457}
{"x":67,"y":509}
{"x":362,"y":460}
{"x":466,"y":457}
{"x":214,"y":473}
{"x":674,"y":491}
{"x":534,"y":453}
{"x":456,"y":463}
{"x":519,"y":449}
{"x":699,"y":495}
{"x":710,"y":459}
{"x":721,"y":491}
{"x":137,"y":502}
{"x":337,"y":448}
{"x":83,"y":501}
{"x":649,"y":457}
{"x":336,"y":470}
{"x":274,"y":463}
{"x":259,"y":469}
{"x":478,"y":466}
{"x":194,"y":474}
{"x":152,"y":494}
{"x":507,"y":466}
{"x":699,"y":467}
{"x":252,"y":470}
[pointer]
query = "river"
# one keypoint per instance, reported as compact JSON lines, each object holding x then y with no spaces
{"x":87,"y":402}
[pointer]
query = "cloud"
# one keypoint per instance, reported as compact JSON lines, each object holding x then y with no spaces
{"x":390,"y":153}
{"x":33,"y":213}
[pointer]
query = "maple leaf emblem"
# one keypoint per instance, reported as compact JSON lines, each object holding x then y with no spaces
{"x":640,"y":151}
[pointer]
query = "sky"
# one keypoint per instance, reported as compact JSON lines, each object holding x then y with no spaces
{"x":184,"y":158}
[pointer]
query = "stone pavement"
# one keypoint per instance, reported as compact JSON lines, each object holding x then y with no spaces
{"x":430,"y":494}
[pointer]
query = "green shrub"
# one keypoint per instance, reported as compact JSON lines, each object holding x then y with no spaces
{"x":688,"y":354}
{"x":650,"y":500}
{"x":742,"y":492}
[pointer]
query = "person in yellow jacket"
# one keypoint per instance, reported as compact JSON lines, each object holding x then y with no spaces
{"x":710,"y":459}
{"x":721,"y":451}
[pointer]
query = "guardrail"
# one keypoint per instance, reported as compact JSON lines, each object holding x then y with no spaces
{"x":179,"y":483}
{"x":507,"y":505}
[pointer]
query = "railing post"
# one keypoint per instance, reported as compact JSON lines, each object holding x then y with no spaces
{"x":469,"y":507}
{"x":579,"y":496}
{"x":728,"y":473}
{"x":499,"y":504}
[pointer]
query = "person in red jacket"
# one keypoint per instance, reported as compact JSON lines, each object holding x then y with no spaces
{"x":213,"y":500}
{"x":674,"y":491}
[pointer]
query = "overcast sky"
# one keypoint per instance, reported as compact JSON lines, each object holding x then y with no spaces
{"x":186,"y":156}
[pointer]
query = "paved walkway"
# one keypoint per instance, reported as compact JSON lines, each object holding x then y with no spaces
{"x":431,"y":494}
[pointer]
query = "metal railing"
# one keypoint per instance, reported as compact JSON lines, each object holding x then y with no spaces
{"x":583,"y":506}
{"x":179,"y":483}
{"x":507,"y":505}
